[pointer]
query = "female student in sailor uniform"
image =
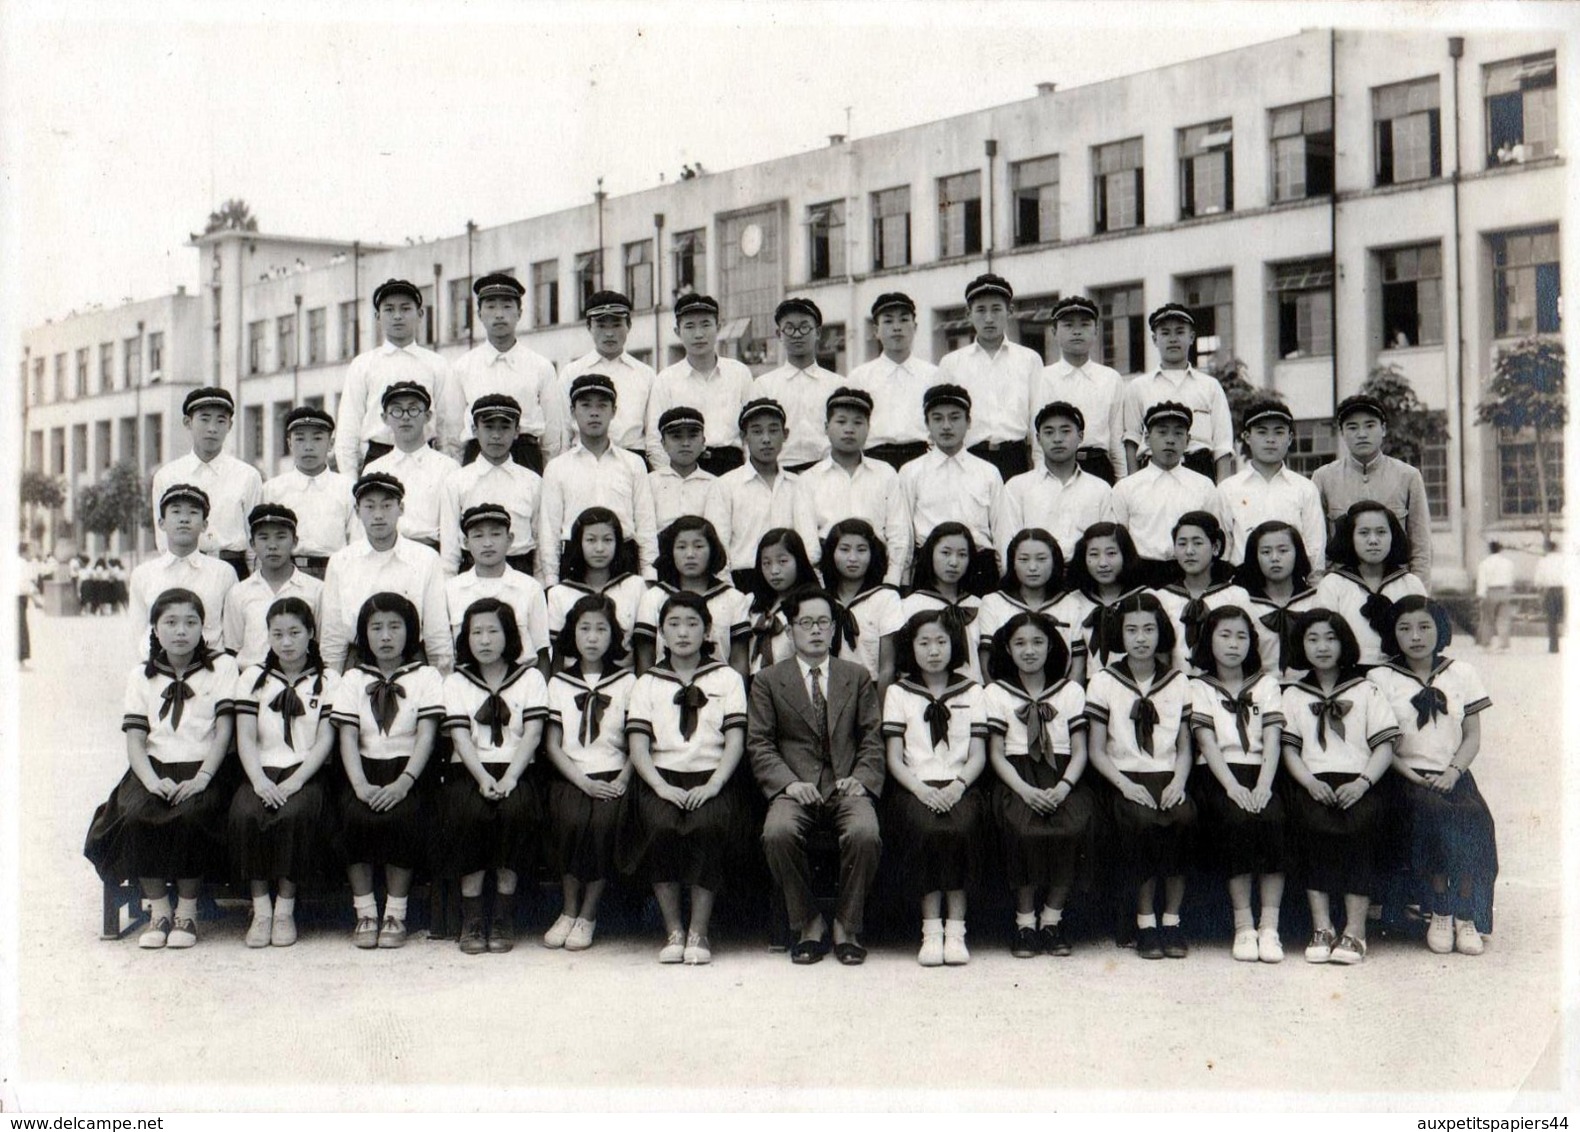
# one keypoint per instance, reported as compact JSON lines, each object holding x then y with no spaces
{"x":1037,"y":747}
{"x":1139,"y":708}
{"x":685,"y":733}
{"x":935,"y":727}
{"x":692,"y":557}
{"x":494,"y":706}
{"x":1369,"y":561}
{"x":166,"y":819}
{"x":598,"y":560}
{"x":279,"y":819}
{"x":853,"y":565}
{"x":1202,"y":581}
{"x":1438,"y":702}
{"x":939,"y":582}
{"x":388,"y":709}
{"x":1033,"y":582}
{"x":782,"y":565}
{"x":1237,"y":719}
{"x":1276,"y":576}
{"x":585,"y":740}
{"x":1102,"y":574}
{"x":1339,"y":735}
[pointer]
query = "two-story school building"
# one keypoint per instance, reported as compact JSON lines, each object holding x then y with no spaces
{"x":1326,"y":203}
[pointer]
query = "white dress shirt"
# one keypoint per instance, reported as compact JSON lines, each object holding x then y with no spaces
{"x":870,"y":491}
{"x":675,"y":495}
{"x":517,"y":489}
{"x":633,"y":385}
{"x":1063,"y":508}
{"x":1248,"y":499}
{"x":325,"y":510}
{"x":1151,"y":501}
{"x":745,"y":506}
{"x":961,"y":488}
{"x":204,"y":575}
{"x":1096,"y":390}
{"x":804,"y":394}
{"x":357,"y":572}
{"x":1495,"y":572}
{"x":1000,"y":385}
{"x":1211,"y":427}
{"x":360,"y":417}
{"x":213,"y":697}
{"x":422,"y":473}
{"x":521,"y":592}
{"x":247,"y":603}
{"x":524,"y":374}
{"x":233,"y":488}
{"x":578,"y":479}
{"x":719,"y":396}
{"x":896,"y":389}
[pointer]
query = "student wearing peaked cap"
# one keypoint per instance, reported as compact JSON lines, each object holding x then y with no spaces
{"x":273,"y":540}
{"x":1150,"y":501}
{"x":897,"y":378}
{"x":717,"y":387}
{"x":1098,"y":391}
{"x":760,"y":495}
{"x":492,"y":478}
{"x":505,"y":364}
{"x":361,"y":434}
{"x":1210,"y":450}
{"x":320,"y":499}
{"x":681,"y":487}
{"x":488,"y":529}
{"x":949,"y":484}
{"x":233,"y":486}
{"x":800,"y":384}
{"x":609,"y":322}
{"x":1364,"y":471}
{"x":1267,"y":488}
{"x":846,"y":485}
{"x":421,"y":470}
{"x":183,"y":511}
{"x":1058,"y":495}
{"x":999,"y":375}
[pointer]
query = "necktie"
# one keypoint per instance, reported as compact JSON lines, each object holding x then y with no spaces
{"x":178,"y":693}
{"x":494,"y":714}
{"x":1375,"y":609}
{"x":1330,"y":713}
{"x":290,"y":707}
{"x":692,"y":700}
{"x":591,"y":704}
{"x":820,"y":709}
{"x":1280,"y":622}
{"x":1036,"y":717}
{"x":845,"y":622}
{"x":1429,"y":703}
{"x":764,"y":630}
{"x":1241,"y":706}
{"x":1144,"y":714}
{"x":384,"y":696}
{"x":936,"y":716}
{"x":1102,"y":632}
{"x":1191,"y":617}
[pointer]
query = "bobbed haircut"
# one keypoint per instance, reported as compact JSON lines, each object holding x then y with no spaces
{"x":1248,"y":575}
{"x":905,"y":644}
{"x":1201,"y":656}
{"x":387,"y":602}
{"x":1349,"y":647}
{"x":1417,"y":603}
{"x":482,"y":607}
{"x":1341,"y":547}
{"x":1001,"y":665}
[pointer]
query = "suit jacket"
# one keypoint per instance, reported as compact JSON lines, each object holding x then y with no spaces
{"x":781,"y":733}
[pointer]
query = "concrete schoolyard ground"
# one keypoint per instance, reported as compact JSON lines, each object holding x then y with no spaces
{"x":164,"y":1029}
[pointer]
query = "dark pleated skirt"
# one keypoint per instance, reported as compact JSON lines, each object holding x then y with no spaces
{"x":934,"y":852}
{"x":1453,"y":835}
{"x":1041,"y":849}
{"x":668,"y":845}
{"x":137,"y":834}
{"x":1152,"y":843}
{"x":1336,"y":849}
{"x":476,"y":833}
{"x":295,"y":842}
{"x":398,"y":836}
{"x":1233,"y":841}
{"x":582,"y":830}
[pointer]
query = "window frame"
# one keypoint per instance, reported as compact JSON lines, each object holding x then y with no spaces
{"x":884,"y":214}
{"x":1316,"y":277}
{"x":1546,"y":92}
{"x":1134,"y":322}
{"x":1198,"y":149}
{"x":1117,"y":154}
{"x":1419,"y":267}
{"x":825,"y":250}
{"x":1544,"y":274}
{"x":959,"y":215}
{"x":689,"y":255}
{"x":1047,"y":204}
{"x":1425,"y":119}
{"x":1315,"y":135}
{"x":546,"y":292}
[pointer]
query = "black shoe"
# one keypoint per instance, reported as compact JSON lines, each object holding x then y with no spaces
{"x":1054,"y":941}
{"x":502,"y":925}
{"x":474,"y":938}
{"x":805,"y":952}
{"x":1148,"y":945}
{"x":1025,"y":945}
{"x":1174,"y":941}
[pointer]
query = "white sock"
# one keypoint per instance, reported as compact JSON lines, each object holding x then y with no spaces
{"x":285,"y":906}
{"x":1270,"y":918}
{"x":366,"y":905}
{"x":159,"y":909}
{"x":262,"y":906}
{"x":395,"y":906}
{"x":1171,"y":919}
{"x":1147,"y":921}
{"x":932,"y":927}
{"x":186,"y":908}
{"x":1243,"y":920}
{"x":1025,"y":919}
{"x":1051,"y":917}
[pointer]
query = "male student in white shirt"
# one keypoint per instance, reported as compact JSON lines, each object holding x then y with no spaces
{"x":800,"y":385}
{"x":846,"y":485}
{"x":247,"y":604}
{"x":609,"y":323}
{"x":1267,"y":488}
{"x":492,"y":478}
{"x":1058,"y":496}
{"x":420,"y":469}
{"x":1150,"y":501}
{"x":505,"y":364}
{"x":896,"y":379}
{"x":716,"y":387}
{"x":949,"y":484}
{"x":183,"y":514}
{"x":680,"y":487}
{"x":1210,"y":445}
{"x":760,"y":495}
{"x":361,"y":434}
{"x":487,"y":530}
{"x":319,"y":498}
{"x":1095,"y":389}
{"x":233,"y":486}
{"x":999,"y":375}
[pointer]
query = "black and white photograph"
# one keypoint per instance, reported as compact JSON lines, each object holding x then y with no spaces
{"x":769,"y":557}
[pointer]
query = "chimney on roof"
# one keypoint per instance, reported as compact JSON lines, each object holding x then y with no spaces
{"x":181,"y":288}
{"x":836,"y":139}
{"x":1047,"y":88}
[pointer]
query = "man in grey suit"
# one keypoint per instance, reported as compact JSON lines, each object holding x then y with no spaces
{"x":815,"y":740}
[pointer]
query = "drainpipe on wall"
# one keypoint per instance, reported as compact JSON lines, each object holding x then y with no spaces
{"x":1333,"y":210}
{"x":658,"y":290}
{"x":1456,"y":51}
{"x":990,"y":148}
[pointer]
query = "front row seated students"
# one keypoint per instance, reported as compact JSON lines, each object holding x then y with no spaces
{"x":595,"y":473}
{"x":1150,"y":501}
{"x":847,"y":485}
{"x":949,"y":484}
{"x":272,"y":537}
{"x":321,"y":499}
{"x":896,"y":380}
{"x":492,"y":478}
{"x":679,"y":486}
{"x":486,"y":529}
{"x":183,"y":516}
{"x":716,"y":387}
{"x":759,"y":495}
{"x":383,"y":562}
{"x":1057,"y":495}
{"x":421,"y":470}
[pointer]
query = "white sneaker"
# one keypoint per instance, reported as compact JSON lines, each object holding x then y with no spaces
{"x":955,"y":953}
{"x":581,"y":935}
{"x":559,"y":931}
{"x":697,"y":952}
{"x":1269,"y":948}
{"x":1467,"y":940}
{"x":183,"y":933}
{"x":1320,"y":949}
{"x":1349,"y":950}
{"x":261,"y":930}
{"x":1440,"y":934}
{"x":1245,"y":946}
{"x":157,"y":935}
{"x":674,"y":949}
{"x":932,"y":952}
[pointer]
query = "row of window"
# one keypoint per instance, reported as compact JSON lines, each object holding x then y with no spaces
{"x":103,"y":455}
{"x":71,"y":372}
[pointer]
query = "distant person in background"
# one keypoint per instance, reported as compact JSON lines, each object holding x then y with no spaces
{"x":1550,"y":580}
{"x":26,"y":587}
{"x":1495,"y":591}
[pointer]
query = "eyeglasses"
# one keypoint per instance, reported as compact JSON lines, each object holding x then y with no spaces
{"x":793,"y":331}
{"x":406,"y":412}
{"x":808,"y":624}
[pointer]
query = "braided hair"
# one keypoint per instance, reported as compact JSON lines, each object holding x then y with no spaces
{"x":303,"y":612}
{"x":203,"y":656}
